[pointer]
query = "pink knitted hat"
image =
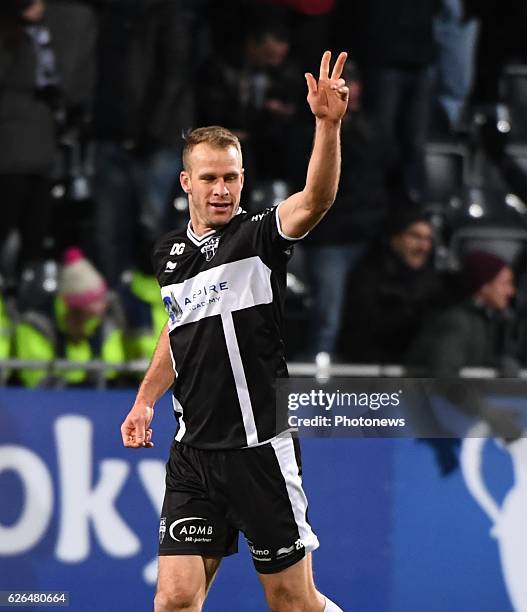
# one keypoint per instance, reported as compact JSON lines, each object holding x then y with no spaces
{"x":80,"y":284}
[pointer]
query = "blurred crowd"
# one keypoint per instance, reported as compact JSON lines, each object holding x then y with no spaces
{"x":421,"y":260}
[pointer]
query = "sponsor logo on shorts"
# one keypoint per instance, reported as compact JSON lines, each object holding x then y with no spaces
{"x":162,"y":529}
{"x":283,"y":552}
{"x":259,"y":554}
{"x":190,"y":530}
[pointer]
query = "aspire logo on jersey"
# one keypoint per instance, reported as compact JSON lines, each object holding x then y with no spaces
{"x":223,"y":289}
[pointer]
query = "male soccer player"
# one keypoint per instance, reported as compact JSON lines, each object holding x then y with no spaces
{"x":223,"y":284}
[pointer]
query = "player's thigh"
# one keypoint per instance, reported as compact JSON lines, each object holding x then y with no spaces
{"x":297,"y":577}
{"x":293,"y":586}
{"x":185,"y":578}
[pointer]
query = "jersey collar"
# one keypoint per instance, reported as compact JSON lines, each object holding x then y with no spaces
{"x":200,"y":240}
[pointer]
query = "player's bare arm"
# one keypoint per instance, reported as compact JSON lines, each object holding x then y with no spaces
{"x":328,"y":99}
{"x":135,"y":430}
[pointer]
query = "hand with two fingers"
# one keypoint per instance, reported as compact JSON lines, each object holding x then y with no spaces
{"x":135,"y":430}
{"x":328,"y":97}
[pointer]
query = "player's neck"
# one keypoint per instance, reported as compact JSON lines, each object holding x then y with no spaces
{"x":200,"y":231}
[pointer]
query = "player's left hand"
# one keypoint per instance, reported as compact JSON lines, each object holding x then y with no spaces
{"x":328,"y":97}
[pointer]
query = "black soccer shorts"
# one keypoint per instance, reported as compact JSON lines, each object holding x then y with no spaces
{"x":211,"y":495}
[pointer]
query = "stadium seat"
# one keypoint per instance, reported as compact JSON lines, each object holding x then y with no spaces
{"x":513,"y":91}
{"x":506,"y":242}
{"x":446,"y":165}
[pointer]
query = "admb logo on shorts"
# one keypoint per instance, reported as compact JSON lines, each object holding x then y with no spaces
{"x":191,"y":529}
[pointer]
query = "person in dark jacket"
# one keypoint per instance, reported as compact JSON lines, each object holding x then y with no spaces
{"x":478,"y":331}
{"x":258,"y":94}
{"x":393,"y":43}
{"x":46,"y":75}
{"x":143,"y":105}
{"x":390,"y":292}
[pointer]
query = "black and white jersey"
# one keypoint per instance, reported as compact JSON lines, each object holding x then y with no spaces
{"x":224,"y":293}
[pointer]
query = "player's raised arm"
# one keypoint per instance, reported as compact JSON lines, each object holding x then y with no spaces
{"x":328,"y":99}
{"x":135,"y":430}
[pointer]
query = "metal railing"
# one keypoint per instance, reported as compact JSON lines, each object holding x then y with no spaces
{"x":98,"y":370}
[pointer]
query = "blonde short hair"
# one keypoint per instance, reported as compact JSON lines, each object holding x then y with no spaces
{"x":213,"y":135}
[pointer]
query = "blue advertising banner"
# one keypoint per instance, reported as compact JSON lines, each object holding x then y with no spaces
{"x":404,"y":525}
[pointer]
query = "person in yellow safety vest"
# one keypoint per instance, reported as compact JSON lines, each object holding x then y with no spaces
{"x":6,"y":328}
{"x":83,"y":322}
{"x":144,"y":312}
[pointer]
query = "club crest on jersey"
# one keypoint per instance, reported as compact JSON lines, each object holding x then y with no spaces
{"x":209,"y":249}
{"x":173,"y":308}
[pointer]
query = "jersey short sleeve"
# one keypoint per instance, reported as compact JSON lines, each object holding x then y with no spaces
{"x":163,"y":248}
{"x":267,"y":237}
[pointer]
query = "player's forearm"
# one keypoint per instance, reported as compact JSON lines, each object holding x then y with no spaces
{"x":160,"y":373}
{"x":323,"y":172}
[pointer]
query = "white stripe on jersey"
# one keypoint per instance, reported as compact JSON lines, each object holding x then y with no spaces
{"x":242,"y":388}
{"x":285,"y":453}
{"x":178,"y":408}
{"x":172,"y":358}
{"x":221,"y":291}
{"x":225,"y":288}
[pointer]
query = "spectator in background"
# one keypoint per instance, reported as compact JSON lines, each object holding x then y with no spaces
{"x":310,"y":22}
{"x":81,"y":322}
{"x":6,"y":325}
{"x":390,"y":292}
{"x":393,"y":43}
{"x":46,"y":79}
{"x":145,"y":314}
{"x":456,"y":34}
{"x":143,"y":104}
{"x":257,"y":95}
{"x":479,"y":331}
{"x":333,"y":247}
